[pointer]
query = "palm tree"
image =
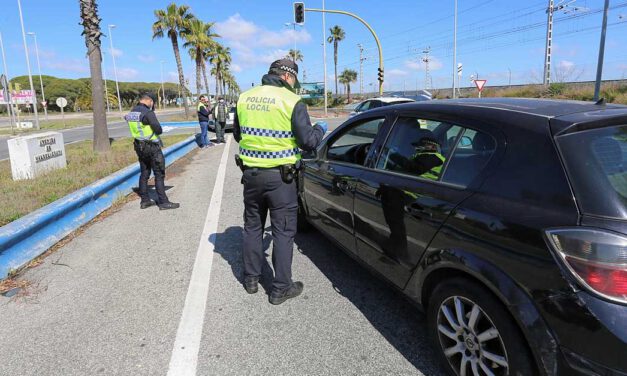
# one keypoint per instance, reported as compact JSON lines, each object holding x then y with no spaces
{"x":220,"y":57}
{"x":337,"y":35}
{"x":205,"y":60}
{"x":91,"y":30}
{"x":198,"y":38}
{"x":347,"y":77}
{"x":172,"y":21}
{"x":295,"y":55}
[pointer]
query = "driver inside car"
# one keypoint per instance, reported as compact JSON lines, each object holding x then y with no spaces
{"x":427,"y":160}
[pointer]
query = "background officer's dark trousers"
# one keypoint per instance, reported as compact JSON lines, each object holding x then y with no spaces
{"x":264,"y":190}
{"x":151,"y":159}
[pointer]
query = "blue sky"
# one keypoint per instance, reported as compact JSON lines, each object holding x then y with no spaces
{"x":495,"y":37}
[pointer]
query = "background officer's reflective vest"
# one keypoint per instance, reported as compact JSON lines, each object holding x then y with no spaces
{"x":265,"y":118}
{"x":200,"y":105}
{"x":139,"y":130}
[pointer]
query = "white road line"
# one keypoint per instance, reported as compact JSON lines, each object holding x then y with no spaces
{"x":184,"y":358}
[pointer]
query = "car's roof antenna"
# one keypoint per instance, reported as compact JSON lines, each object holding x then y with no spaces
{"x":600,"y":102}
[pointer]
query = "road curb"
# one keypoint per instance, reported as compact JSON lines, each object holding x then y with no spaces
{"x":30,"y":236}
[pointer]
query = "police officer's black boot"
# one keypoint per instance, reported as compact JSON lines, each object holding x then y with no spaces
{"x":146,"y":204}
{"x":251,"y":284}
{"x":169,"y":205}
{"x":279,"y":296}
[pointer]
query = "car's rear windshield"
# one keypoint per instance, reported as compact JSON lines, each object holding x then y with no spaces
{"x":596,"y":162}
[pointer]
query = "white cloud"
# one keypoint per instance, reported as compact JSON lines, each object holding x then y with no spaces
{"x":116,"y":52}
{"x":565,"y":64}
{"x":127,"y":73}
{"x":146,"y":58}
{"x":236,"y":68}
{"x":172,"y":77}
{"x":67,"y":65}
{"x":396,"y":73}
{"x":250,"y":41}
{"x":434,"y":64}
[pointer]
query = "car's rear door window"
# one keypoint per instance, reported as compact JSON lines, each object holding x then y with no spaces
{"x":414,"y":147}
{"x":472,"y":153}
{"x":458,"y":156}
{"x":596,"y":162}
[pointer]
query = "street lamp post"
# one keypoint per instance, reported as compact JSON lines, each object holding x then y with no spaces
{"x":454,"y":49}
{"x":30,"y":76}
{"x":7,"y":87}
{"x":163,"y":88}
{"x":104,"y":73}
{"x":41,"y":81}
{"x":115,"y":71}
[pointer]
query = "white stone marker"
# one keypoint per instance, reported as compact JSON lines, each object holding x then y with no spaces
{"x":37,"y":154}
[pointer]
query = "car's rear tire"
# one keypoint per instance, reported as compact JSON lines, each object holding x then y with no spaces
{"x":486,"y":339}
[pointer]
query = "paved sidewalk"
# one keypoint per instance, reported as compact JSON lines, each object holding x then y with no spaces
{"x":110,"y":301}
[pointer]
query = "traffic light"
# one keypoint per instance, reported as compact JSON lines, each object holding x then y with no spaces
{"x":380,"y":74}
{"x":299,"y":13}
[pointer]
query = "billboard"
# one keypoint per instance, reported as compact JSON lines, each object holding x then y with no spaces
{"x":18,"y":97}
{"x":311,"y":90}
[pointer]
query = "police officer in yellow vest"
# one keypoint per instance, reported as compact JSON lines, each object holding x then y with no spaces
{"x":145,"y":129}
{"x":271,"y":124}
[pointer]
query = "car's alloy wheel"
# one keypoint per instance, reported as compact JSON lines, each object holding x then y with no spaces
{"x":474,"y":332}
{"x":469,"y":339}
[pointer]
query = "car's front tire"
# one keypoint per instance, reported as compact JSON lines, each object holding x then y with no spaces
{"x":473,"y":333}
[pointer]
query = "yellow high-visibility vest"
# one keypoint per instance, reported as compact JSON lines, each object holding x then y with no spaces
{"x":265,"y":118}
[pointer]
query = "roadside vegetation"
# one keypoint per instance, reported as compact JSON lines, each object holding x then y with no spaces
{"x":83,"y":168}
{"x":613,"y":93}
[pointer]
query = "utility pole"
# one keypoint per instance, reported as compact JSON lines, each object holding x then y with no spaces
{"x":426,"y":59}
{"x":8,"y":85}
{"x":597,"y":84}
{"x":509,"y":84}
{"x":324,"y":57}
{"x":455,"y":51}
{"x":549,"y":42}
{"x":361,"y":69}
{"x":549,"y":35}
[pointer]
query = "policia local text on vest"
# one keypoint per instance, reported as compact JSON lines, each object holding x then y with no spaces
{"x":272,"y":125}
{"x":145,"y":129}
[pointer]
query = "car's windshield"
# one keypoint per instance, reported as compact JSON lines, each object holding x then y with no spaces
{"x":596,"y":161}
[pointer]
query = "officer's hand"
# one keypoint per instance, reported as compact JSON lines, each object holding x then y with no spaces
{"x":322,"y":125}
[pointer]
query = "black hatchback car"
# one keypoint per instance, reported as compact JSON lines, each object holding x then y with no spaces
{"x":504,"y":219}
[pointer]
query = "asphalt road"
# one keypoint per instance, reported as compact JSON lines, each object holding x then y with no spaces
{"x":110,"y":301}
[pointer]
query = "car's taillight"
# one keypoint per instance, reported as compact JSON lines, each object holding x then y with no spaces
{"x":596,"y":258}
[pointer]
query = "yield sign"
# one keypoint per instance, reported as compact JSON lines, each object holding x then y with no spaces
{"x":480,"y":84}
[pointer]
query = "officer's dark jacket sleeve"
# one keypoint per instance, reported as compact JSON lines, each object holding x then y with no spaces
{"x":151,"y":119}
{"x":308,"y":137}
{"x":237,"y":132}
{"x":203,"y":111}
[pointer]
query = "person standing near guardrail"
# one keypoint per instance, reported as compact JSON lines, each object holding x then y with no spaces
{"x":203,"y":119}
{"x":220,"y":112}
{"x":145,"y":129}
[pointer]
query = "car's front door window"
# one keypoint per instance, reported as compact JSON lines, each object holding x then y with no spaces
{"x":352,"y":146}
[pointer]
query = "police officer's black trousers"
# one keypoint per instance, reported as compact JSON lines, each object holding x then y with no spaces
{"x":151,"y":159}
{"x":264,"y":190}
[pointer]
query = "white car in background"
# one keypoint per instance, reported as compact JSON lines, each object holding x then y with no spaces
{"x":371,"y":103}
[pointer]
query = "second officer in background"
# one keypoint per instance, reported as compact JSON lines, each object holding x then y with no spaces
{"x":271,"y":124}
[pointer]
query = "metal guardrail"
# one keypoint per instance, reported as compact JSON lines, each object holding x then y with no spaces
{"x":28,"y":237}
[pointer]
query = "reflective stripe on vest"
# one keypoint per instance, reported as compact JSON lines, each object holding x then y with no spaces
{"x":139,"y":130}
{"x":265,"y":118}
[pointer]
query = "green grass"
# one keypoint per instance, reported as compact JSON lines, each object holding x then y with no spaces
{"x":613,"y":93}
{"x":83,"y":168}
